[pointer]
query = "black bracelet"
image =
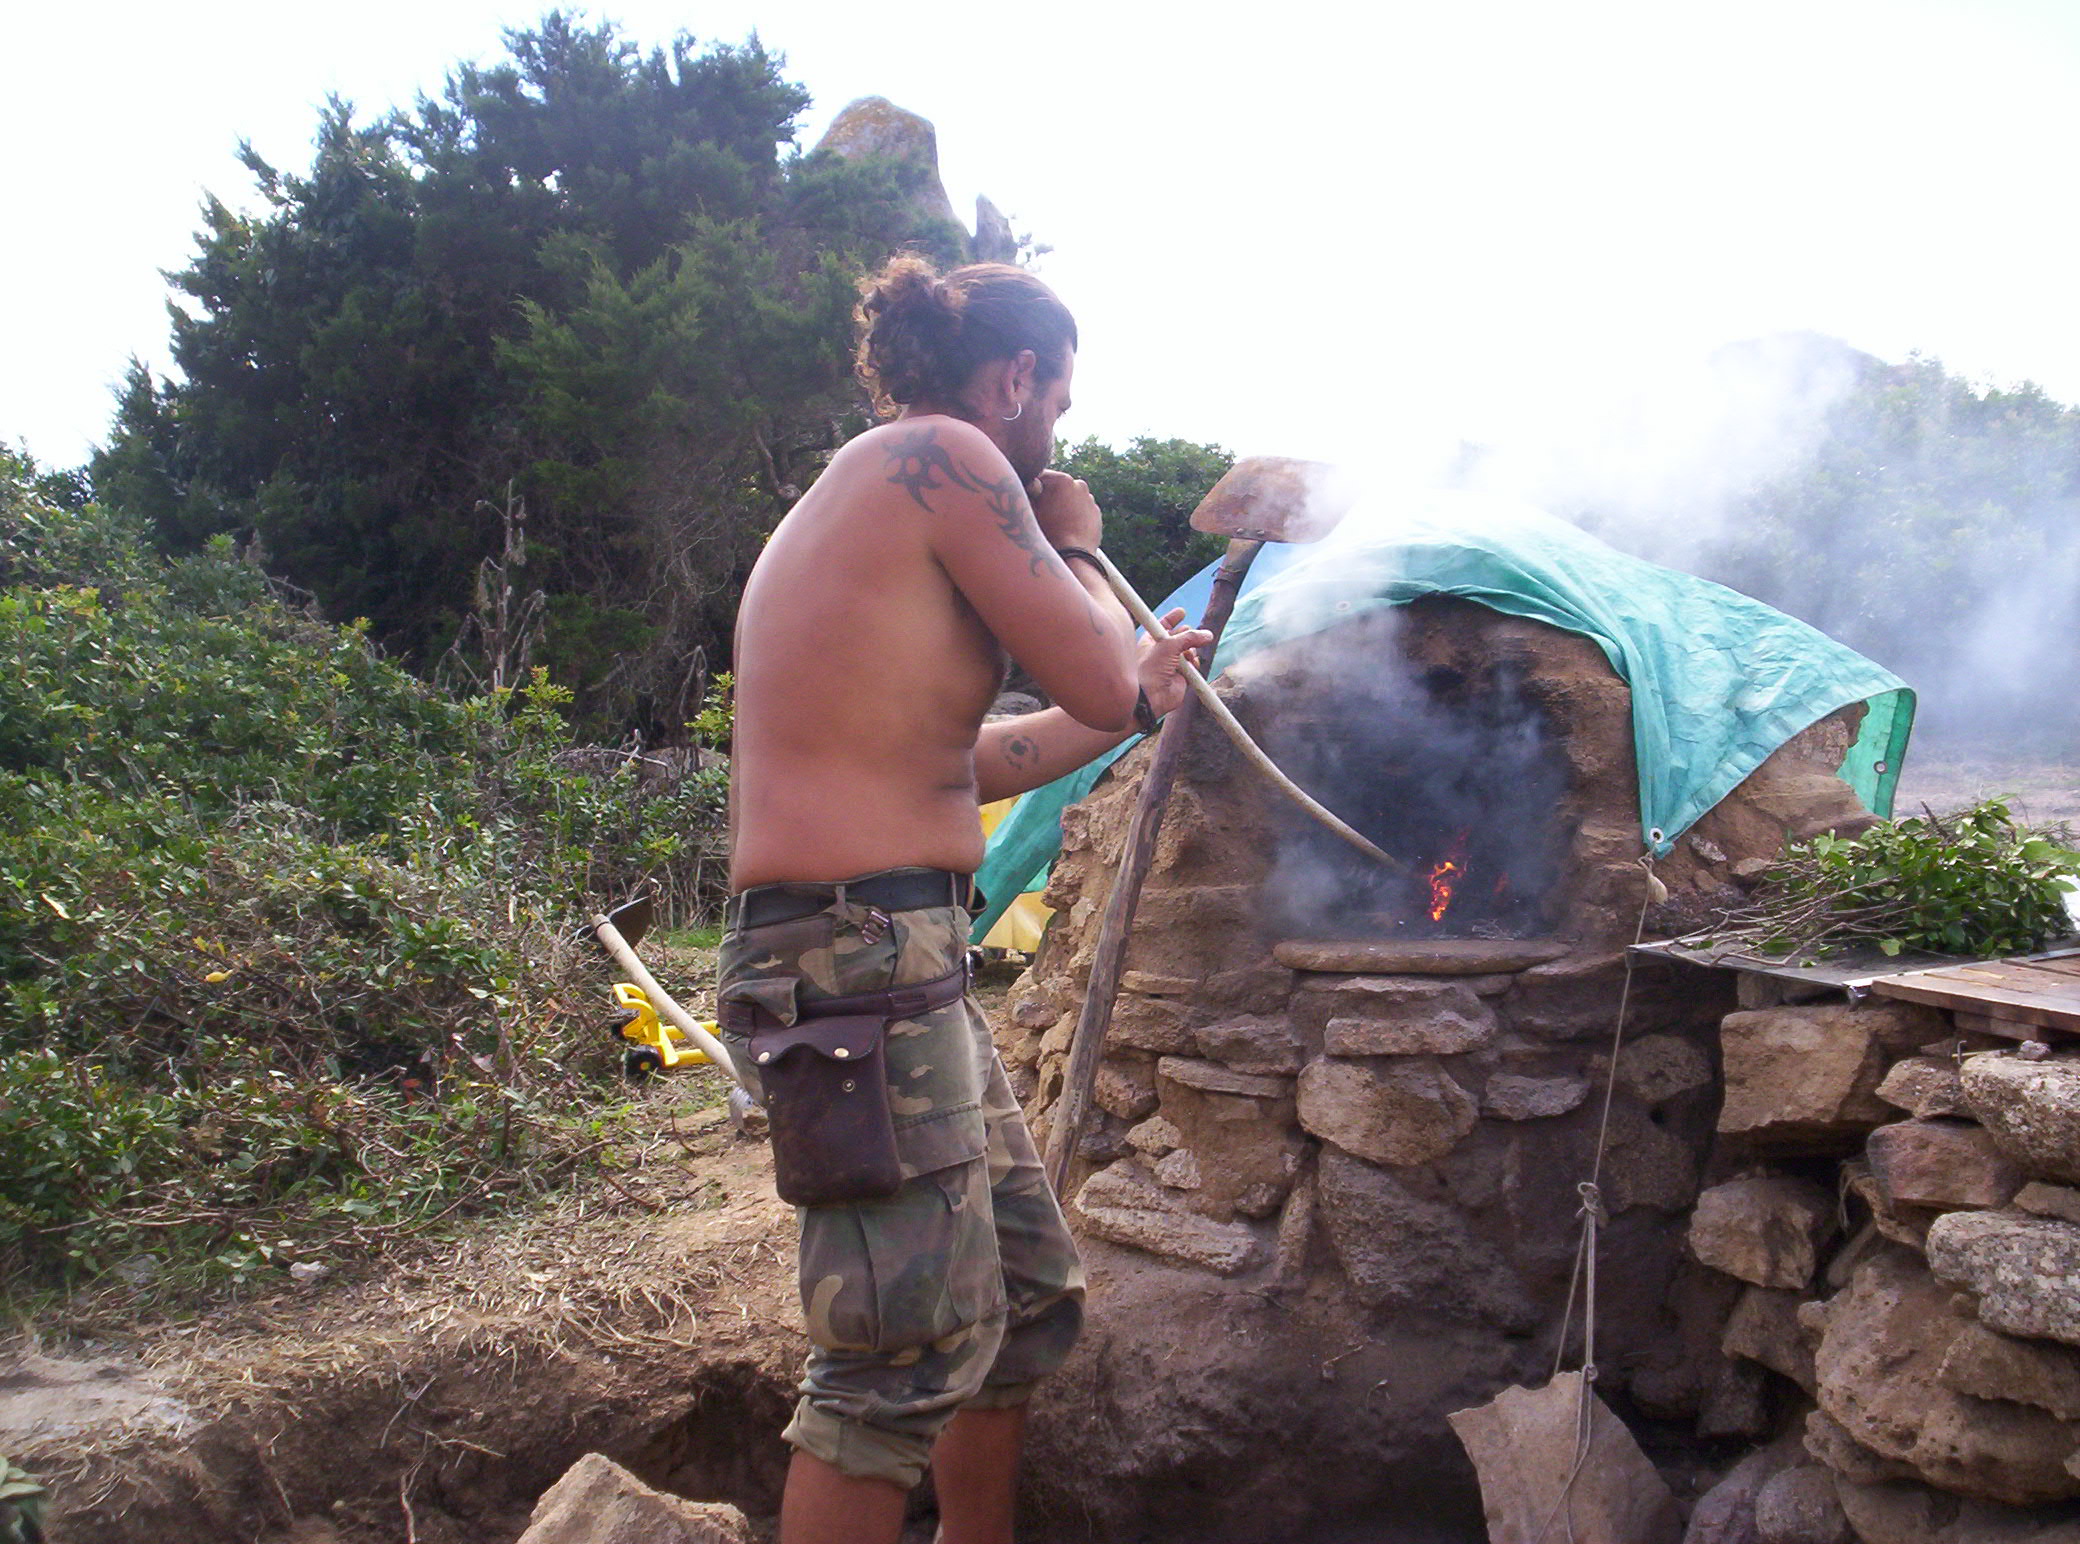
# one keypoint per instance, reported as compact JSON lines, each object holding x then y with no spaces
{"x":1085,"y":553}
{"x":1145,"y":716}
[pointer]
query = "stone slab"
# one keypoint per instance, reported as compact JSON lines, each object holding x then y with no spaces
{"x":1402,"y":1111}
{"x":599,"y":1502}
{"x":2032,"y":1108}
{"x":1437,"y":957}
{"x":2021,"y":1268}
{"x":1766,"y":1230}
{"x":1213,"y":1078}
{"x":1941,"y":1163}
{"x":1122,"y":1206}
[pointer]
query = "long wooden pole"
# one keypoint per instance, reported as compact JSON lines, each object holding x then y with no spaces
{"x":1108,"y":957}
{"x":1205,"y":694}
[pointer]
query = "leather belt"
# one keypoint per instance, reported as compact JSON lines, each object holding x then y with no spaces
{"x":894,"y":890}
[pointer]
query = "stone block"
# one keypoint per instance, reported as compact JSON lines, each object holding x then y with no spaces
{"x":2021,"y":1268}
{"x":1989,"y":1365}
{"x":1448,"y":1022}
{"x":1806,"y":1079}
{"x":1148,"y":983}
{"x":1122,"y":1206}
{"x":1508,"y":1096}
{"x":1178,"y":1170}
{"x":1736,"y":1403}
{"x":1901,"y":1223}
{"x":2032,"y":1108}
{"x":1658,"y":1068}
{"x":599,"y":1502}
{"x":1155,"y":1136}
{"x":1647,"y":1164}
{"x":1764,"y":1327}
{"x":2042,"y":1200}
{"x":1924,"y":1086}
{"x":1126,"y":1087}
{"x":1295,"y":1233}
{"x":1155,"y":1024}
{"x":1213,"y":1078}
{"x":1034,"y":1011}
{"x":1725,"y":1514}
{"x":1940,"y":1163}
{"x":1576,"y":998}
{"x":1799,"y":1506}
{"x":1766,"y":1230}
{"x":1249,"y":989}
{"x":1400,"y":1250}
{"x":1265,"y":1046}
{"x":1878,"y":1367}
{"x":1403,"y":1111}
{"x":1524,"y":1445}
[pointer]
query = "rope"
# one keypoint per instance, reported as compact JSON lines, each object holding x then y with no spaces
{"x":1582,"y":1279}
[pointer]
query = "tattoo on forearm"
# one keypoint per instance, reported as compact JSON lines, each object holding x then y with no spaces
{"x":919,"y":464}
{"x":1020,"y":752}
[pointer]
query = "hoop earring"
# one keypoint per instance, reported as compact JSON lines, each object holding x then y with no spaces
{"x":1012,"y":418}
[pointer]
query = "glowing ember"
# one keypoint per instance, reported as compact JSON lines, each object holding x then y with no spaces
{"x":1444,"y":877}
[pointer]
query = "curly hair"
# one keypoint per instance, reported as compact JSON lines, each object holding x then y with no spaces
{"x":922,"y":334}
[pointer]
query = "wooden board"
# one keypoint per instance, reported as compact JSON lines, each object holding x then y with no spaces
{"x":2014,"y":990}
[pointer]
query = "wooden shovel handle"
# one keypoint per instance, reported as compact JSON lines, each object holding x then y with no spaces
{"x":1087,"y":1045}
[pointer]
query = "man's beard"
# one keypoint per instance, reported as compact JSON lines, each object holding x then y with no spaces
{"x":1028,"y":460}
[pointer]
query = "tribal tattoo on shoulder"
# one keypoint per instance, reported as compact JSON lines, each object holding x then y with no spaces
{"x":919,"y":464}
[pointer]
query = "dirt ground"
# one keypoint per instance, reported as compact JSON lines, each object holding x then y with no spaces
{"x":649,"y":1314}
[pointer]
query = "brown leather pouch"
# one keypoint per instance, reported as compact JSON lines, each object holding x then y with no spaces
{"x":826,"y":1088}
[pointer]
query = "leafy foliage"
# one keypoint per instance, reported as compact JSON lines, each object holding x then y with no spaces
{"x":280,"y":964}
{"x":1970,"y":883}
{"x":598,"y":278}
{"x":1148,"y":492}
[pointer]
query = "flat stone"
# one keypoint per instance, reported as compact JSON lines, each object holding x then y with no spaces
{"x":2032,"y":1108}
{"x":1658,"y":1068}
{"x":599,"y":1502}
{"x":1404,"y":1111}
{"x":1454,"y":1022}
{"x":1149,"y":984}
{"x":2042,"y":1200}
{"x":1265,"y":1046}
{"x":1212,"y":1078}
{"x":1511,"y":1097}
{"x":1989,"y":1365}
{"x":1765,"y":1230}
{"x":1035,"y":1013}
{"x":1799,"y":1506}
{"x":1901,"y":1223}
{"x":1122,"y":1206}
{"x":2021,"y":1268}
{"x":1940,"y":1163}
{"x":1879,"y":1365}
{"x":1402,"y":1250}
{"x":1764,"y":1327}
{"x":1439,"y":957}
{"x":1925,"y":1086}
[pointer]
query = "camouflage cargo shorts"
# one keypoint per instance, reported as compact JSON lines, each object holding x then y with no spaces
{"x":962,"y":1289}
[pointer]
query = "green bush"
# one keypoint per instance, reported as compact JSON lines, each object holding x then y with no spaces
{"x":283,"y":931}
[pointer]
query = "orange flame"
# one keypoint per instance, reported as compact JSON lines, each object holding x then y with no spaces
{"x":1444,"y":877}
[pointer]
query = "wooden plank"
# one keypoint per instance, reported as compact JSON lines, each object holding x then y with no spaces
{"x":2064,"y":965}
{"x":2017,"y":976}
{"x":1986,"y":1024}
{"x":1940,"y":989}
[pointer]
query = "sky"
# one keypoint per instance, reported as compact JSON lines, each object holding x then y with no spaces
{"x":1358,"y":233}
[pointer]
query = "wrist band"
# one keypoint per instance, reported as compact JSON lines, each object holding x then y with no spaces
{"x":1085,"y":553}
{"x":1145,"y":716}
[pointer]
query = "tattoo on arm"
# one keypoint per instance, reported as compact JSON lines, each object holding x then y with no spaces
{"x":919,"y":464}
{"x":1020,"y":752}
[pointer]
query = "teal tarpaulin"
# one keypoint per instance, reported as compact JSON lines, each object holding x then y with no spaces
{"x":1719,"y":680}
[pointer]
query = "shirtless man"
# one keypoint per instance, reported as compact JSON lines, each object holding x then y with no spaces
{"x":871,"y":641}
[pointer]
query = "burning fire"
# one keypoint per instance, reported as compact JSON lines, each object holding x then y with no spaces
{"x":1445,"y":875}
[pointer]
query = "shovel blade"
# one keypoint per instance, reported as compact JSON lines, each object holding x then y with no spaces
{"x":1275,"y":498}
{"x":631,"y":919}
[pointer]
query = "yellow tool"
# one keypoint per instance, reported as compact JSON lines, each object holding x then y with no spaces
{"x":655,"y":1046}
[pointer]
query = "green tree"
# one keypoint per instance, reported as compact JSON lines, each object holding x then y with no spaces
{"x":601,"y":276}
{"x":1148,"y":492}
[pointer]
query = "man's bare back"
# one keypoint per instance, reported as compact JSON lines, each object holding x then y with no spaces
{"x":872,"y":640}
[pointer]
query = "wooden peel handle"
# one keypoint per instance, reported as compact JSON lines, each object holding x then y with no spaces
{"x":1137,"y":608}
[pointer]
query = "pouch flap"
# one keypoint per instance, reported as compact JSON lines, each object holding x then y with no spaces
{"x":851,"y":1037}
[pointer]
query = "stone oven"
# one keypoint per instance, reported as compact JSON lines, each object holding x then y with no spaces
{"x":1329,"y":1190}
